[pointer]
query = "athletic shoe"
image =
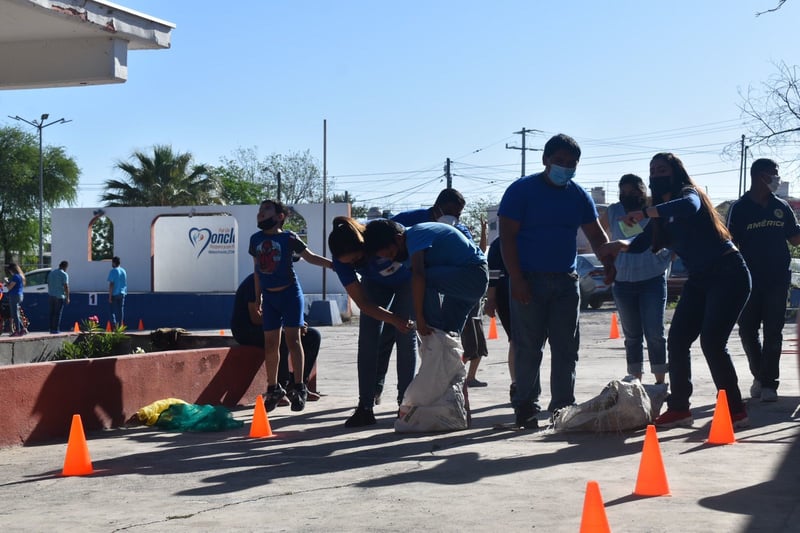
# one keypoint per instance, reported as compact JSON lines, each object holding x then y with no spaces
{"x":740,"y":419}
{"x":672,"y":418}
{"x":312,"y":396}
{"x":298,"y":396}
{"x":769,"y":395}
{"x":273,"y":396}
{"x":362,"y":417}
{"x":472,"y":383}
{"x":526,"y":419}
{"x":755,"y":389}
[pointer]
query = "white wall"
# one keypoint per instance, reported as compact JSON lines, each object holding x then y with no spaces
{"x":133,"y":243}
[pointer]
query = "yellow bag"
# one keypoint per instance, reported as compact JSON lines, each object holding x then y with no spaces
{"x":149,"y":413}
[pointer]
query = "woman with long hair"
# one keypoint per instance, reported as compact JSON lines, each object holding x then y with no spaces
{"x":381,"y":289}
{"x":684,"y":220}
{"x":15,"y":296}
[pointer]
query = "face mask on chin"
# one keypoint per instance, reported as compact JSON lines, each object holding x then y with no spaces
{"x":774,"y":183}
{"x":450,"y":220}
{"x":267,"y":224}
{"x":560,"y":176}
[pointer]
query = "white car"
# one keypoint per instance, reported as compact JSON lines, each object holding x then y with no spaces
{"x":36,"y":280}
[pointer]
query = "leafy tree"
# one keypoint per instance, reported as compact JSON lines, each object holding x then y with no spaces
{"x":246,"y":175}
{"x":166,"y":178}
{"x":102,"y":239}
{"x":356,"y":211}
{"x":19,"y":193}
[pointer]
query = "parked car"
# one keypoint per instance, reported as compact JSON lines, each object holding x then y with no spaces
{"x":594,"y":290}
{"x":676,"y":279}
{"x":36,"y":280}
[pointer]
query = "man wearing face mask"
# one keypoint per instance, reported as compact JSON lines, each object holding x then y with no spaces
{"x":640,"y":288}
{"x":760,"y":224}
{"x":539,"y":219}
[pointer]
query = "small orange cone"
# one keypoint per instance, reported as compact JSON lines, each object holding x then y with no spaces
{"x":77,"y":461}
{"x":492,"y":329}
{"x":614,"y":334}
{"x":108,"y":326}
{"x":594,"y":518}
{"x":652,"y":479}
{"x":260,"y":427}
{"x":141,"y":325}
{"x":222,"y":333}
{"x":77,"y":328}
{"x":721,"y":425}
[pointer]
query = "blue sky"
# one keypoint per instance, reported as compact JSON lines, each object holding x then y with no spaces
{"x":404,"y":86}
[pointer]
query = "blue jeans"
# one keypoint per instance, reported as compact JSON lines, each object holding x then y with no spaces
{"x":708,"y":307}
{"x":13,"y":307}
{"x":399,"y":300}
{"x":451,"y":292}
{"x":117,"y":310}
{"x":56,"y":310}
{"x":641,"y":310}
{"x":551,"y":314}
{"x":767,"y":306}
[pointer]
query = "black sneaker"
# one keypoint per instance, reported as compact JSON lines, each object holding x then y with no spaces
{"x":362,"y":417}
{"x":526,"y":420}
{"x":298,"y":396}
{"x":274,"y":394}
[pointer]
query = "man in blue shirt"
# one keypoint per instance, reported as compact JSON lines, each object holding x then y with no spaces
{"x":58,"y":291}
{"x":760,"y":224}
{"x":539,"y":218}
{"x":117,"y":289}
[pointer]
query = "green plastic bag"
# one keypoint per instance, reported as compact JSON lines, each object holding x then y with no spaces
{"x":192,"y":417}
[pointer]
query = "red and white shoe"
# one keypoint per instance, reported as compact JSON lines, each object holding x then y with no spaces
{"x":672,"y":418}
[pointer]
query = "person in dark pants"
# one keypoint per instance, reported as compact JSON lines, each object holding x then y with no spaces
{"x":58,"y":292}
{"x":684,"y":219}
{"x":760,"y":224}
{"x":247,"y":330}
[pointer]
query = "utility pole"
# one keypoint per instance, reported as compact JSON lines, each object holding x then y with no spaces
{"x":279,"y":185}
{"x":523,"y":132}
{"x":741,"y":168}
{"x":447,"y":174}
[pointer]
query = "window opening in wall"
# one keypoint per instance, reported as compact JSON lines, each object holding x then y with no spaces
{"x":101,"y":239}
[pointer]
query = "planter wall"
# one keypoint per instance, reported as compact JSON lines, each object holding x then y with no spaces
{"x":40,"y":398}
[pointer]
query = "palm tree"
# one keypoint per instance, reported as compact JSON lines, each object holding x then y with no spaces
{"x":166,"y":178}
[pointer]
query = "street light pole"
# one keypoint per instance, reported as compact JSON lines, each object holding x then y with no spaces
{"x":40,"y":125}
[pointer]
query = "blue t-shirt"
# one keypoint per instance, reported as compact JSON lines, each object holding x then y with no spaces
{"x":761,"y":234}
{"x":56,"y":280}
{"x":689,"y":232}
{"x":18,"y":284}
{"x":382,"y":271}
{"x":273,"y":255}
{"x":417,"y":216}
{"x":549,"y":219}
{"x":119,"y":278}
{"x":443,"y":245}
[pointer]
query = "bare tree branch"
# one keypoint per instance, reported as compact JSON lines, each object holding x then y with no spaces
{"x":780,"y":5}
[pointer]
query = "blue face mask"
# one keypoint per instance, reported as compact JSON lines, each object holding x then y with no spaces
{"x":560,"y":176}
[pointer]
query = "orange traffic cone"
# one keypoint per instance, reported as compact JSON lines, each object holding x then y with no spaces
{"x":108,"y":326}
{"x":222,"y":333}
{"x":77,"y":461}
{"x":721,"y":425}
{"x":614,"y":334}
{"x":652,"y":479}
{"x":260,"y":427}
{"x":141,"y":325}
{"x":77,"y":328}
{"x":594,"y":518}
{"x":492,"y":329}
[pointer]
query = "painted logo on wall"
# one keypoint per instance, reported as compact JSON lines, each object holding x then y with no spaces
{"x":218,"y":241}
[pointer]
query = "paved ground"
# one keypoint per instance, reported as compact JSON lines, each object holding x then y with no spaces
{"x":316,"y":476}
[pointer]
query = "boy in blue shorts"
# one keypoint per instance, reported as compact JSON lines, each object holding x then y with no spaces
{"x":280,"y":298}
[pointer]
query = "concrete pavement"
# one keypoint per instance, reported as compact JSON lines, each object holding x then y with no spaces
{"x":315,"y":475}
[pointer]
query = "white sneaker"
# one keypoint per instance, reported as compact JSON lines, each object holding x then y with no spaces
{"x":769,"y":395}
{"x":755,"y":389}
